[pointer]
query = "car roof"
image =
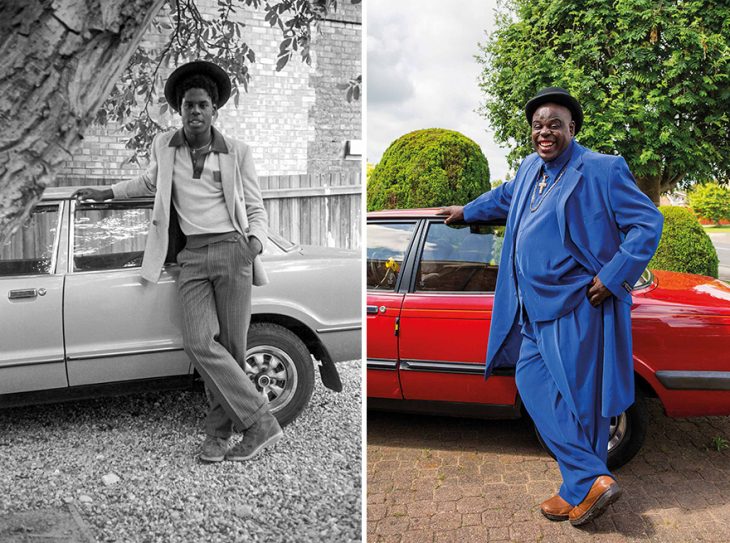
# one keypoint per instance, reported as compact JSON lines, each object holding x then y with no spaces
{"x":65,"y":193}
{"x":405,"y":213}
{"x":59,"y":193}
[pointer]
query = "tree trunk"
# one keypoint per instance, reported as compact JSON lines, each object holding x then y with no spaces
{"x":59,"y":60}
{"x":651,"y":186}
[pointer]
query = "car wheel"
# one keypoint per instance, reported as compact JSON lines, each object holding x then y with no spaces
{"x":280,"y":366}
{"x":626,"y":433}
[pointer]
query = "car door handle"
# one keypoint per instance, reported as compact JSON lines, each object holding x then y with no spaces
{"x":372,"y":309}
{"x":26,"y":293}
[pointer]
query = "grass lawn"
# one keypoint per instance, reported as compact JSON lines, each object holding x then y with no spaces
{"x":711,"y":228}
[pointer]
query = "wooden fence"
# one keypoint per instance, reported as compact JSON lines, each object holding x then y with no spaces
{"x":315,"y":209}
{"x":318,"y":209}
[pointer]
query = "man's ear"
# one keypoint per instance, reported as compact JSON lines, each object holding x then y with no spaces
{"x":215,"y":113}
{"x":572,"y":128}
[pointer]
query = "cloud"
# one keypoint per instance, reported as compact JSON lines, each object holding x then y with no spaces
{"x":421,"y":72}
{"x":387,"y":77}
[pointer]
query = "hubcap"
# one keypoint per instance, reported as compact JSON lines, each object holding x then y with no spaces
{"x":617,"y":430}
{"x":274,"y":374}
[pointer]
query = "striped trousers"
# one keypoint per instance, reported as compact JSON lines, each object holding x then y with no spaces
{"x":215,"y":291}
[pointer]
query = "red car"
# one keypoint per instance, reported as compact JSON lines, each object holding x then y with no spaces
{"x":429,"y":306}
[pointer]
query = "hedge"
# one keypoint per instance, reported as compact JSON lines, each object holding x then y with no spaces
{"x":428,"y":168}
{"x":684,"y":246}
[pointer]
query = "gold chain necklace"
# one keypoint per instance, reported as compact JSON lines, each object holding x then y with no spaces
{"x":196,"y":150}
{"x":542,"y":186}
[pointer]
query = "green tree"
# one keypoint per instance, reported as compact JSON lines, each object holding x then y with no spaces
{"x":684,"y":246}
{"x":710,"y":201}
{"x":428,"y":168}
{"x":653,"y":78}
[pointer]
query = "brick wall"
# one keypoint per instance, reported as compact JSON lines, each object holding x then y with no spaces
{"x":296,"y":120}
{"x":337,"y":60}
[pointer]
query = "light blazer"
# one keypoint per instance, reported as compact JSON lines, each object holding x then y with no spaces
{"x":240,"y":190}
{"x":608,"y":225}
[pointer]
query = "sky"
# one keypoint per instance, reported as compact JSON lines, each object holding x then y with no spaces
{"x":421,"y":72}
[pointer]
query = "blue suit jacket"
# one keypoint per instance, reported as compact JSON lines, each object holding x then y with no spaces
{"x":609,"y":226}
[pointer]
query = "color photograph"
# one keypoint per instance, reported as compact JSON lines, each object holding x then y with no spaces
{"x":547,"y":296}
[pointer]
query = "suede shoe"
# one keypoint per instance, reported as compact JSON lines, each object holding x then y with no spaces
{"x":214,"y":449}
{"x":603,"y":492}
{"x":556,"y":508}
{"x":263,"y":433}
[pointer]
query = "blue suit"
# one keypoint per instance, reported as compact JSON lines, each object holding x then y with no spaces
{"x":610,"y":229}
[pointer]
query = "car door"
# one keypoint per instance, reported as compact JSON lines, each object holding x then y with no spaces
{"x":445,"y":317}
{"x":388,"y":243}
{"x":118,"y":327}
{"x":31,"y":297}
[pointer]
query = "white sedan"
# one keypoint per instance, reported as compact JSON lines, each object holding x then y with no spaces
{"x":76,"y":321}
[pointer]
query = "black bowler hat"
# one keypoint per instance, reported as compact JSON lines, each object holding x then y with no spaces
{"x":555,"y":95}
{"x":198,"y":67}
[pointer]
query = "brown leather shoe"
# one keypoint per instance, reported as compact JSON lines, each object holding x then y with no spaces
{"x":603,"y":492}
{"x":556,"y":508}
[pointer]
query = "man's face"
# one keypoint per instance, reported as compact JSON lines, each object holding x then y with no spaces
{"x":552,"y":130}
{"x":197,"y":112}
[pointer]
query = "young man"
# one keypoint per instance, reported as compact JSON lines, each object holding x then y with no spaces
{"x":579,"y":234}
{"x":205,"y":186}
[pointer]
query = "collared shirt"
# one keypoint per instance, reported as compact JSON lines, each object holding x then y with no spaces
{"x":217,"y":146}
{"x":197,"y":190}
{"x":544,"y":267}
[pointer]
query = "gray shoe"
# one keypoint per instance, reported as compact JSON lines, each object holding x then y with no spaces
{"x":214,"y":449}
{"x":263,"y":433}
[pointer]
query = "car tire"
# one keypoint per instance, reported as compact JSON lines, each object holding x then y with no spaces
{"x":280,"y":366}
{"x":626,"y":436}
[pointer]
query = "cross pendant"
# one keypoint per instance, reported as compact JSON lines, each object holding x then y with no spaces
{"x":542,"y":184}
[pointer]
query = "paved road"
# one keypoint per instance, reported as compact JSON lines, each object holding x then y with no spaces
{"x":721,"y":241}
{"x":442,"y":480}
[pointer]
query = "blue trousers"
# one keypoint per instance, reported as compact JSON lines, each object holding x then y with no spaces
{"x":558,"y":375}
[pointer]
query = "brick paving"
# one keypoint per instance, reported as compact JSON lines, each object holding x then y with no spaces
{"x":447,"y":480}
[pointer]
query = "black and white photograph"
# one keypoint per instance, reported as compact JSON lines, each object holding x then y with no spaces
{"x":180,"y":271}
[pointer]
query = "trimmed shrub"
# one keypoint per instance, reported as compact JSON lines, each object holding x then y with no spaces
{"x":711,"y":201}
{"x":428,"y":168}
{"x":684,"y":246}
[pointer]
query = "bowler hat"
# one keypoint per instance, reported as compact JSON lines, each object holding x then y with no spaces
{"x":555,"y":95}
{"x":198,"y":67}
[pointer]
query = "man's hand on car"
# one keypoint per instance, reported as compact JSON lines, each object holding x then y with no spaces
{"x":454,"y":214}
{"x":98,"y":195}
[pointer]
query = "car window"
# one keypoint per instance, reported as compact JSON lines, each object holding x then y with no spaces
{"x":387,"y":245}
{"x":460,"y":258}
{"x":30,"y":250}
{"x":110,"y":236}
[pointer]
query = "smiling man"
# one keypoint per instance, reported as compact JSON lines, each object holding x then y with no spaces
{"x":207,"y":195}
{"x":579,"y":234}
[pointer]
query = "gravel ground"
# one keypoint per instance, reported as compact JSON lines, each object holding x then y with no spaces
{"x":307,"y":488}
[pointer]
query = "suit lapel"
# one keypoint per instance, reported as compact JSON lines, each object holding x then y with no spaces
{"x":570,"y":180}
{"x":228,"y":172}
{"x":524,"y":192}
{"x":164,"y":182}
